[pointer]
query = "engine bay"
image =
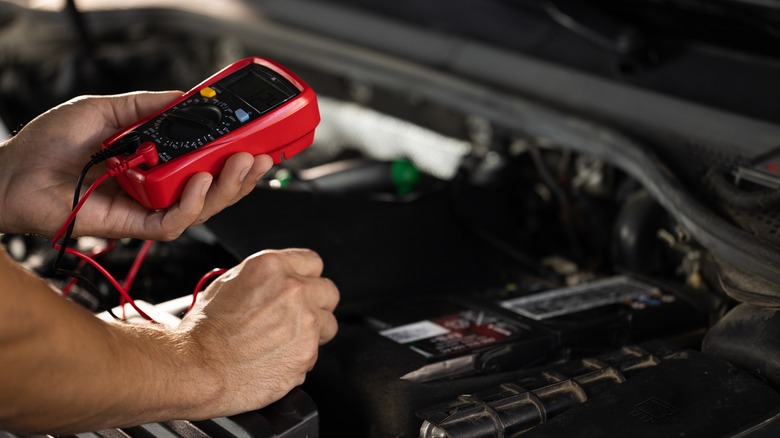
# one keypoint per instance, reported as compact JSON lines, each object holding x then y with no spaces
{"x":509,"y":265}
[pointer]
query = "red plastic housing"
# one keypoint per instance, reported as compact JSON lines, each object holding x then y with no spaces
{"x":281,"y":133}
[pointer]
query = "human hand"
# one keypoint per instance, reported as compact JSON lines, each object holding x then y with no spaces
{"x":258,"y":327}
{"x":41,"y":164}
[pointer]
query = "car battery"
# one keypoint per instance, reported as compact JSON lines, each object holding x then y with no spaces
{"x":394,"y":358}
{"x":400,"y":356}
{"x":608,"y":313}
{"x":459,"y":338}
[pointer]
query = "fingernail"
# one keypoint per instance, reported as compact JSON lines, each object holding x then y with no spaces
{"x":243,"y":174}
{"x":205,"y":188}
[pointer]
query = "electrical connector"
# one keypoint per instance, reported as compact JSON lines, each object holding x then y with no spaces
{"x":146,"y":154}
{"x":126,"y":144}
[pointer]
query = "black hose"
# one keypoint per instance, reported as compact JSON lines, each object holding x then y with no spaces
{"x":735,"y":197}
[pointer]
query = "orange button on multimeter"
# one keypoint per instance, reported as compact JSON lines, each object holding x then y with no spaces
{"x":254,"y":105}
{"x":208,"y":92}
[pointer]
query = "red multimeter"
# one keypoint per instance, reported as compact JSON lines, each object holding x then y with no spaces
{"x":254,"y":105}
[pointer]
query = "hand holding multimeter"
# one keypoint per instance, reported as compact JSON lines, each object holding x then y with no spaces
{"x":40,"y":165}
{"x":254,"y":105}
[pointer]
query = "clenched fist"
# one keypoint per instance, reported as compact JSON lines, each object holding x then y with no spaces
{"x":258,"y":327}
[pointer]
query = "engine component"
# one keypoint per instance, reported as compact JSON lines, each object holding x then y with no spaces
{"x":687,"y":393}
{"x":517,"y":406}
{"x":647,"y":395}
{"x":356,"y":177}
{"x":748,"y":337}
{"x":385,"y":138}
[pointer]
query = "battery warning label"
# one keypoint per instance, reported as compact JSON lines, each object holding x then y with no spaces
{"x":454,"y":333}
{"x":565,"y":301}
{"x":414,"y":332}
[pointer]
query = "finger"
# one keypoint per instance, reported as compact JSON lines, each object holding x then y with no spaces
{"x":322,"y":292}
{"x":326,"y":294}
{"x":172,"y":222}
{"x":225,"y":189}
{"x":329,"y":326}
{"x":262,"y":164}
{"x":303,"y":262}
{"x":238,"y":177}
{"x":123,"y":110}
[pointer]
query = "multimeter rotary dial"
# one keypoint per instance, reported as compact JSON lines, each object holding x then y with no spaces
{"x":190,"y":125}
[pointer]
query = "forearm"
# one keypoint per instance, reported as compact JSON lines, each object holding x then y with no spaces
{"x":65,"y":371}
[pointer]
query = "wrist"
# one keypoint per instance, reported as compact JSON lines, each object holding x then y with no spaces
{"x":173,"y":381}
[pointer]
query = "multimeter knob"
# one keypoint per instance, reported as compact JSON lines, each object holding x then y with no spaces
{"x":191,"y":122}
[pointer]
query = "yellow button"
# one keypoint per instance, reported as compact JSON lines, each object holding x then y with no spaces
{"x":208,"y":92}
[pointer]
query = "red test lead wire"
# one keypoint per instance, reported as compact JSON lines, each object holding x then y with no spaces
{"x":122,"y":292}
{"x":94,"y":254}
{"x":145,"y":154}
{"x":131,"y":274}
{"x":206,"y":277}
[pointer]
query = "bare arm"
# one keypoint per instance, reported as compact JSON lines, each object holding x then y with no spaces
{"x":250,"y":340}
{"x":63,"y":368}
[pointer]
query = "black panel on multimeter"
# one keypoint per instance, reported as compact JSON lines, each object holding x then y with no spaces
{"x":216,"y":111}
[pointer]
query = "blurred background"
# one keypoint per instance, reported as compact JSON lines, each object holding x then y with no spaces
{"x":538,"y":213}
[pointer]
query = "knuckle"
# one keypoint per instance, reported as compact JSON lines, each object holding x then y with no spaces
{"x":333,"y":326}
{"x":310,"y":354}
{"x":310,"y":253}
{"x":264,"y":262}
{"x":332,"y":289}
{"x":309,"y":321}
{"x":271,"y":260}
{"x":293,"y":287}
{"x":316,"y":259}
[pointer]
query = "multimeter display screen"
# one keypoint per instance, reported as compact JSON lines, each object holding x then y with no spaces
{"x":260,"y":92}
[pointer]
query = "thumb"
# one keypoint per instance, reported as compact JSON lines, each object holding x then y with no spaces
{"x":122,"y":110}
